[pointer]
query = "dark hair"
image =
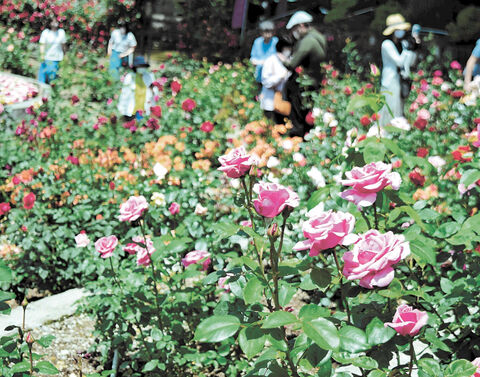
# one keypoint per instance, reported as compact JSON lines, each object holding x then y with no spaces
{"x":283,"y":42}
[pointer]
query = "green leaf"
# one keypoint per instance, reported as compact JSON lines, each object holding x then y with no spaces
{"x":393,"y":147}
{"x":377,"y":333}
{"x":469,"y":177}
{"x":394,"y":290}
{"x":275,"y":337}
{"x":5,"y":272}
{"x":447,"y":229}
{"x":253,"y":291}
{"x":46,"y":367}
{"x":285,"y":294}
{"x":377,"y":373}
{"x":353,"y":339}
{"x":251,"y":341}
{"x":46,"y":340}
{"x":217,"y":328}
{"x":321,"y":277}
{"x":313,"y":311}
{"x":365,"y":362}
{"x":434,"y":340}
{"x":446,"y":285}
{"x":460,"y":368}
{"x":151,"y":365}
{"x":423,"y":251}
{"x":374,"y":151}
{"x":224,"y":230}
{"x":277,"y":319}
{"x":323,"y":333}
{"x":317,"y":197}
{"x":22,"y":366}
{"x":430,"y":367}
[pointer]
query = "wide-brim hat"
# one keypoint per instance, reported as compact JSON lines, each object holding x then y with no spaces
{"x":140,"y":61}
{"x":300,"y":17}
{"x":396,"y":22}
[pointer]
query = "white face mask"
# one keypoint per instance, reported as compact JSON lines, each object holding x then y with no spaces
{"x":399,"y":33}
{"x":286,"y":53}
{"x":296,"y":34}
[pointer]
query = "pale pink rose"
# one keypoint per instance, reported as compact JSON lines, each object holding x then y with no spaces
{"x":143,"y":253}
{"x":437,"y":81}
{"x":373,"y":256}
{"x":193,"y":257}
{"x":367,"y":181}
{"x":325,"y":231}
{"x":82,"y":240}
{"x":174,"y":208}
{"x":222,"y":282}
{"x":408,"y":321}
{"x":475,"y":143}
{"x":133,"y":208}
{"x":413,"y":107}
{"x":106,"y":245}
{"x":421,"y":99}
{"x":462,"y":189}
{"x":273,"y":198}
{"x":476,"y":362}
{"x":246,"y":223}
{"x":435,"y":93}
{"x":374,"y":70}
{"x":423,"y":114}
{"x":437,"y":161}
{"x":130,"y":248}
{"x":236,"y":163}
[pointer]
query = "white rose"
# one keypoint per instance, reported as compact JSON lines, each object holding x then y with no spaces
{"x":160,"y":171}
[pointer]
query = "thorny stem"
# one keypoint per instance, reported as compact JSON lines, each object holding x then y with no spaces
{"x":344,"y":299}
{"x":31,"y":359}
{"x":375,"y":214}
{"x":412,"y":357}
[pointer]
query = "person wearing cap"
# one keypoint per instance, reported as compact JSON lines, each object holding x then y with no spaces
{"x":472,"y":67}
{"x":263,"y":47}
{"x":121,"y":47}
{"x":393,"y":63}
{"x":138,"y":92}
{"x":52,"y":48}
{"x":309,"y":51}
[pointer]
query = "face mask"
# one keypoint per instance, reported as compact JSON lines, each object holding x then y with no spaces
{"x":399,"y":33}
{"x":286,"y":53}
{"x":141,"y":70}
{"x":296,"y":34}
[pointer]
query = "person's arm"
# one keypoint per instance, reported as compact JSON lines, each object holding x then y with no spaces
{"x":131,"y":47}
{"x":306,"y":45}
{"x":391,"y":51}
{"x":272,"y":74}
{"x":472,"y":60}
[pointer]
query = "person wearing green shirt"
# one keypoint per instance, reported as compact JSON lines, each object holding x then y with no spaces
{"x":309,"y":52}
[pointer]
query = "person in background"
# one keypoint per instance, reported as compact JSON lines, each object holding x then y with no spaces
{"x":394,"y":62}
{"x":138,"y":92}
{"x":263,"y":47}
{"x":121,"y":47}
{"x":472,"y":68}
{"x":309,"y":51}
{"x":274,"y":77}
{"x":52,"y":48}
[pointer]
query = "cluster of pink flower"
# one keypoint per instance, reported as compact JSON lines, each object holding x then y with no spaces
{"x":14,"y":89}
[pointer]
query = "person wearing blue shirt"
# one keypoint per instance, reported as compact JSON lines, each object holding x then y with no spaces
{"x":263,"y":47}
{"x":472,"y":68}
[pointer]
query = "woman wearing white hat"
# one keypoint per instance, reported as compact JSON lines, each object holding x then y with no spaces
{"x":393,"y":61}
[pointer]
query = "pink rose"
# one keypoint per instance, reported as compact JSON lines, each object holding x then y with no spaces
{"x":325,"y":231}
{"x":106,"y":245}
{"x":82,"y":239}
{"x":174,"y":208}
{"x":367,"y":181}
{"x":236,"y":163}
{"x":408,"y":321}
{"x":423,"y":114}
{"x":247,"y":223}
{"x":373,"y":256}
{"x":273,"y":198}
{"x":476,"y":362}
{"x":193,"y":257}
{"x":222,"y":282}
{"x":477,"y":142}
{"x":143,"y":253}
{"x":455,"y":65}
{"x":133,"y":208}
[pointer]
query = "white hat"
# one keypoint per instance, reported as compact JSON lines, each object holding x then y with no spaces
{"x":299,"y":17}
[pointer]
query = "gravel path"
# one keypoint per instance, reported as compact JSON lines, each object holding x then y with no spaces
{"x":73,"y":335}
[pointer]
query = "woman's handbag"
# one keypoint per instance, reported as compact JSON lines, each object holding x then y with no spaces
{"x":280,"y":105}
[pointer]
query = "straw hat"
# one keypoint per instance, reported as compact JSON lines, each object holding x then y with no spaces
{"x":396,"y":22}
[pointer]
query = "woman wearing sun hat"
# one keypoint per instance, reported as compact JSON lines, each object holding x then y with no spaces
{"x":393,"y":61}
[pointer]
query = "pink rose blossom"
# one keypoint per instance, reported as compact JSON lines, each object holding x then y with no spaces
{"x":82,"y":240}
{"x":476,"y":362}
{"x":236,"y":163}
{"x":143,"y":253}
{"x":133,"y":208}
{"x":222,"y":282}
{"x":193,"y":257}
{"x":373,"y":256}
{"x":326,"y":230}
{"x":423,"y":114}
{"x":106,"y":245}
{"x":477,"y":142}
{"x":246,"y":223}
{"x":174,"y":208}
{"x":437,"y":81}
{"x":455,"y":65}
{"x":408,"y":321}
{"x":367,"y":181}
{"x":421,"y":99}
{"x":273,"y":198}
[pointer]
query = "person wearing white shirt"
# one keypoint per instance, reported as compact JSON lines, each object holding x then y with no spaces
{"x":393,"y":62}
{"x":52,"y":47}
{"x":138,"y":92}
{"x":121,"y":47}
{"x":274,"y":77}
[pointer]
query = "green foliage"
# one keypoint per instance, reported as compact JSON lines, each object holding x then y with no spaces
{"x":466,"y":27}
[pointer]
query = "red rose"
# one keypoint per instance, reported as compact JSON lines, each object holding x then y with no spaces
{"x":156,"y":111}
{"x":365,"y":120}
{"x":476,"y":121}
{"x":310,"y":119}
{"x":375,"y":116}
{"x":29,"y":200}
{"x":75,"y":99}
{"x":189,"y":105}
{"x":207,"y":126}
{"x":175,"y":86}
{"x":457,"y":94}
{"x":4,"y":208}
{"x":416,"y":177}
{"x":347,"y":90}
{"x":420,"y":123}
{"x":422,"y":152}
